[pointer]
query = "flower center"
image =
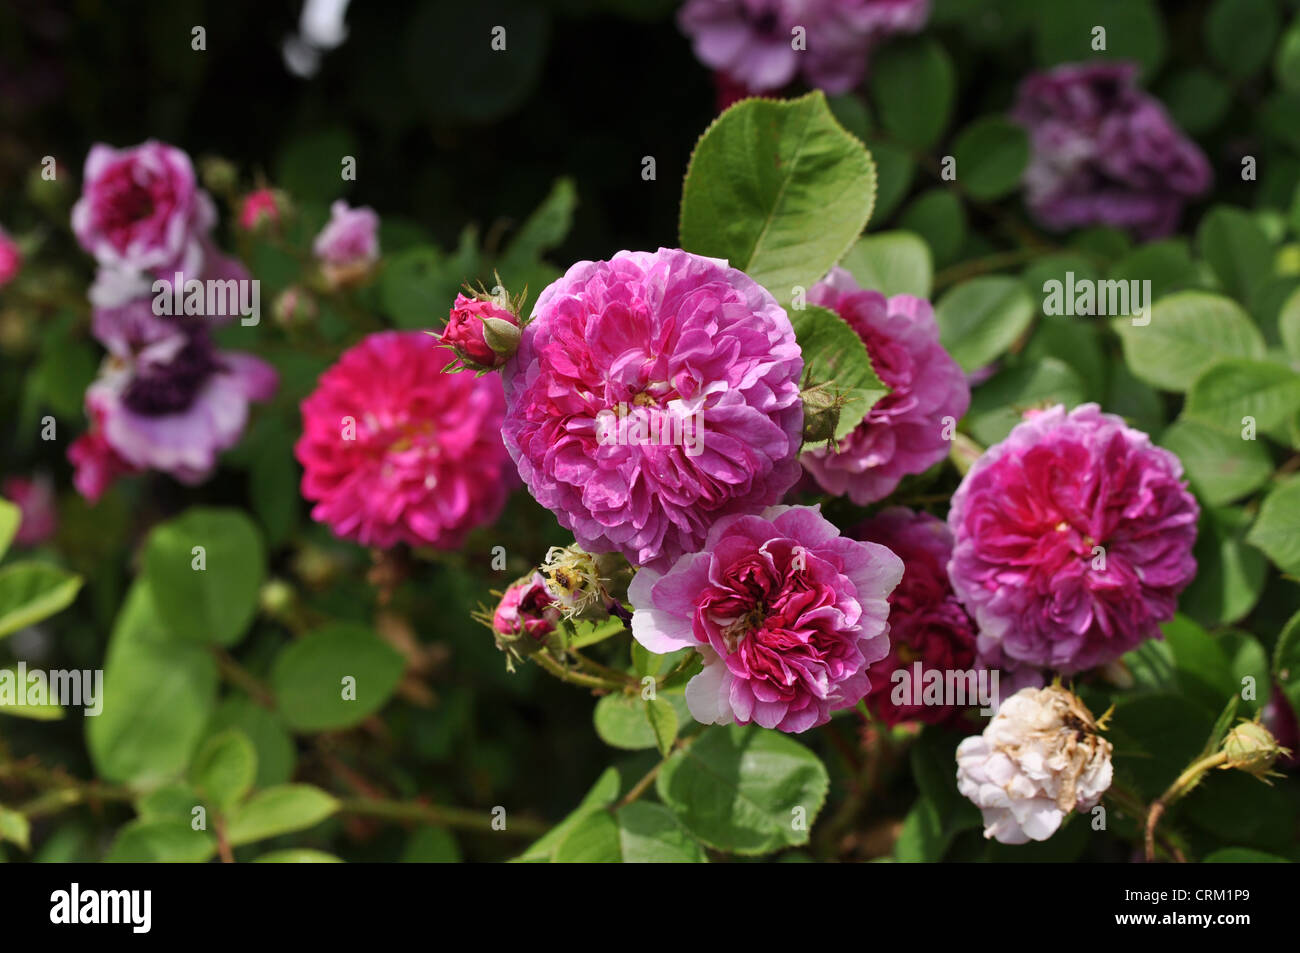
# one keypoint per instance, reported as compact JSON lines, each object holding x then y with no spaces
{"x":156,"y":390}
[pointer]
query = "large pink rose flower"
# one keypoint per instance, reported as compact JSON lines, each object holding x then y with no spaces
{"x":905,"y":432}
{"x":787,"y":613}
{"x":1073,"y":540}
{"x":692,"y":348}
{"x":927,"y":623}
{"x":393,"y":450}
{"x":141,"y":209}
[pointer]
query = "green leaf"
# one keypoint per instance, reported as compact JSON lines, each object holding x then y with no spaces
{"x":167,"y":841}
{"x":779,"y":189}
{"x":15,"y":828}
{"x":1239,"y":35}
{"x":991,"y":156}
{"x":272,"y":744}
{"x":1168,"y":265}
{"x":417,"y":288}
{"x":1286,"y":63}
{"x":1134,"y":31}
{"x":1188,"y":332}
{"x":1156,"y":735}
{"x":1221,"y":465}
{"x":215,"y":603}
{"x":541,"y":232}
{"x":839,"y":384}
{"x":1196,"y":99}
{"x":939,"y":217}
{"x":175,"y":800}
{"x":663,"y":720}
{"x":895,"y":170}
{"x":1230,"y":575}
{"x":1237,"y":249}
{"x":158,"y":694}
{"x":310,"y":677}
{"x":44,"y":710}
{"x":224,"y":769}
{"x":298,"y":855}
{"x":1277,"y":528}
{"x":640,"y":833}
{"x":999,"y":405}
{"x":279,"y":810}
{"x":1288,"y":325}
{"x":1286,"y":661}
{"x":30,"y":592}
{"x":981,"y":318}
{"x":1233,"y":389}
{"x":913,"y":85}
{"x":431,"y":845}
{"x":602,"y":794}
{"x":892,"y":263}
{"x":310,"y":165}
{"x":1242,"y":855}
{"x":744,"y":790}
{"x":1201,"y":663}
{"x":10,"y":517}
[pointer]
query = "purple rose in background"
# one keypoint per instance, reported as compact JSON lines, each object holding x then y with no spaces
{"x":1104,"y":152}
{"x":348,"y":245}
{"x":141,"y":209}
{"x":753,"y":42}
{"x":169,"y":400}
{"x":904,"y":432}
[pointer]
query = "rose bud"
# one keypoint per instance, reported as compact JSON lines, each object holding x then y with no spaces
{"x":480,"y":332}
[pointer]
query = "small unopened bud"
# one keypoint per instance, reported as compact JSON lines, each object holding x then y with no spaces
{"x":481,"y":332}
{"x":294,"y":307}
{"x":219,"y":175}
{"x":1251,"y":747}
{"x":276,"y":598}
{"x":261,"y":208}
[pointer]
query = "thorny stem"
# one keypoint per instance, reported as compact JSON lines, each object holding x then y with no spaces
{"x":649,"y":777}
{"x":457,"y":817}
{"x":1181,"y":786}
{"x":241,"y":678}
{"x":594,"y":682}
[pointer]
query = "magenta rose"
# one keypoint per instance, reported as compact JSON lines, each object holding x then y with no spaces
{"x":927,"y":623}
{"x":141,"y":210}
{"x":259,"y":207}
{"x":698,"y":357}
{"x":787,"y":614}
{"x":395,"y":451}
{"x":1073,"y":539}
{"x":907,"y":431}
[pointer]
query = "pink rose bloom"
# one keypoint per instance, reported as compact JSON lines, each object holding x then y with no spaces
{"x":527,"y":609}
{"x":11,"y":259}
{"x":927,"y":623}
{"x":351,"y":237}
{"x":904,"y":432}
{"x":141,"y":209}
{"x":752,"y":42}
{"x":693,"y":349}
{"x":787,"y":613}
{"x":393,"y":450}
{"x":464,"y":331}
{"x":34,"y":498}
{"x":259,"y":208}
{"x":1073,"y":540}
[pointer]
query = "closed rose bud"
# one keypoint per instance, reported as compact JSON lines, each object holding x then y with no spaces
{"x":480,"y":332}
{"x":294,"y":307}
{"x":258,"y":209}
{"x":1251,"y":747}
